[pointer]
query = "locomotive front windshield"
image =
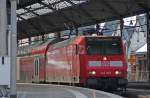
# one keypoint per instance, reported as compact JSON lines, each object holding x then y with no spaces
{"x":104,"y":46}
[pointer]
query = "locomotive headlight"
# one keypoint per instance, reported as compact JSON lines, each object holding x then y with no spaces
{"x":116,"y":72}
{"x":92,"y":72}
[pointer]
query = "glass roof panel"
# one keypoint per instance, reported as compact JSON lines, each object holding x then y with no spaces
{"x":78,"y":1}
{"x":62,"y":5}
{"x":28,"y":15}
{"x":21,"y":11}
{"x":34,"y":6}
{"x":43,"y":11}
{"x":51,"y":1}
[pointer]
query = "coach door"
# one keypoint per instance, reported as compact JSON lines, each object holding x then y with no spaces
{"x":36,"y":69}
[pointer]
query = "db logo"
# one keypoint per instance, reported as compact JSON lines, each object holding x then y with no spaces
{"x":105,"y":63}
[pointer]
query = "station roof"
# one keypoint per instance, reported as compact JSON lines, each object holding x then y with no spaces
{"x":38,"y":17}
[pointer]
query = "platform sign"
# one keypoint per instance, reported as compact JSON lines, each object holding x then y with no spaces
{"x":132,"y":60}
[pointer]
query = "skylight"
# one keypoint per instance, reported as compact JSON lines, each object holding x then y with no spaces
{"x":43,"y":11}
{"x":44,"y":7}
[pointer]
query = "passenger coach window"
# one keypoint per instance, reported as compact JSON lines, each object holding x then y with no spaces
{"x":104,"y":47}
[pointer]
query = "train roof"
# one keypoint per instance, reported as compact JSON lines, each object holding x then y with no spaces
{"x":72,"y":40}
{"x":56,"y":43}
{"x":34,"y":48}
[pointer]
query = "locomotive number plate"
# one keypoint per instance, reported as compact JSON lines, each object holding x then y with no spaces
{"x":105,"y":63}
{"x":105,"y":73}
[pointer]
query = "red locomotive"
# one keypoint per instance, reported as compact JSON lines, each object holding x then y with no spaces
{"x":86,"y":60}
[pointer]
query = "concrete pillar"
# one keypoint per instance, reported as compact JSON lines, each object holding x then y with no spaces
{"x":13,"y":48}
{"x":3,"y":28}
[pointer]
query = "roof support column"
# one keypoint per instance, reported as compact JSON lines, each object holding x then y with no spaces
{"x":97,"y":29}
{"x":29,"y":39}
{"x":57,"y":35}
{"x":4,"y":56}
{"x":43,"y":37}
{"x":148,"y":43}
{"x":71,"y":31}
{"x":13,"y":48}
{"x":121,"y":26}
{"x":17,"y":43}
{"x":77,"y":31}
{"x":3,"y":25}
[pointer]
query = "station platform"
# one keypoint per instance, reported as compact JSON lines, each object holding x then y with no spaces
{"x":59,"y":91}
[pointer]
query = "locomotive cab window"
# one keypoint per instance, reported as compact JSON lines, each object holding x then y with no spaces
{"x":104,"y":46}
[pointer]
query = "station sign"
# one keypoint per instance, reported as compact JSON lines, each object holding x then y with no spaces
{"x":132,"y":59}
